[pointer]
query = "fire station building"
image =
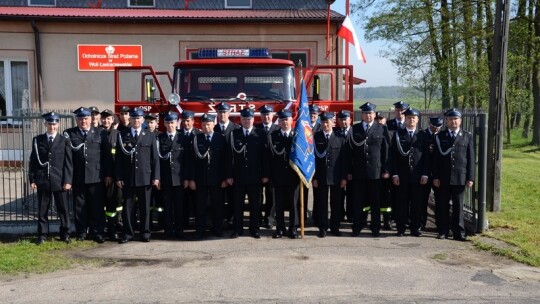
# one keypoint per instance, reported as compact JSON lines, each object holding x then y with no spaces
{"x":60,"y":54}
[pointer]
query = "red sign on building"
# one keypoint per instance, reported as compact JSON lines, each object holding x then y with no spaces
{"x":94,"y":57}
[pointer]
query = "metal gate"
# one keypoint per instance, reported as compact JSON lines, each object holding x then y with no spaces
{"x":18,"y":201}
{"x":475,"y":197}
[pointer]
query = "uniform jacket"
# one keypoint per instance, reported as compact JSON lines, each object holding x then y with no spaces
{"x":316,"y":128}
{"x":392,"y":125}
{"x":227,"y":133}
{"x":273,"y":127}
{"x":140,"y":168}
{"x":429,"y":137}
{"x":246,"y":155}
{"x":331,"y":158}
{"x":209,"y":169}
{"x":112,"y":136}
{"x":59,"y":171}
{"x":457,"y":166}
{"x":416,"y":162}
{"x":92,"y":162}
{"x":278,"y":150}
{"x":368,"y":161}
{"x":173,"y":166}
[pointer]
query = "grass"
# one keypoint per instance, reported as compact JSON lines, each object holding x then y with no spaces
{"x":24,"y":256}
{"x":517,"y":223}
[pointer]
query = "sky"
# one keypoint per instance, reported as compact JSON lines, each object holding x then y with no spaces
{"x":378,"y":71}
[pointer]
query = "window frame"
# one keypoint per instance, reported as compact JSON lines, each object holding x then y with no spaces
{"x":129,"y":5}
{"x":48,"y":5}
{"x":228,"y":6}
{"x":8,"y":84}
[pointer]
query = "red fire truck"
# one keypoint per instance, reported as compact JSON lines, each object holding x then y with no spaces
{"x":240,"y":77}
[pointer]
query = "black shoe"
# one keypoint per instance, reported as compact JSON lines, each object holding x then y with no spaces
{"x":416,"y":233}
{"x":256,"y":235}
{"x":235,"y":235}
{"x":113,"y":237}
{"x":375,"y":234}
{"x":218,"y":234}
{"x":278,"y":234}
{"x":441,"y":236}
{"x":400,"y":234}
{"x":355,"y":233}
{"x":65,"y":239}
{"x":387,"y":226}
{"x":322,"y":233}
{"x":40,"y":240}
{"x":293,"y":233}
{"x":199,"y":236}
{"x":460,"y":238}
{"x":81,"y":237}
{"x":335,"y":232}
{"x":99,"y":239}
{"x":123,"y":240}
{"x":145,"y":239}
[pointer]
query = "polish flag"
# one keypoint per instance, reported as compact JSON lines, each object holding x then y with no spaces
{"x":347,"y":32}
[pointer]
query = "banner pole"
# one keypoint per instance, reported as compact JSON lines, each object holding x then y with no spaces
{"x":301,"y":210}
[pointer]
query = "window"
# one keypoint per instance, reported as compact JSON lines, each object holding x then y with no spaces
{"x":42,"y":2}
{"x":238,"y":4}
{"x":14,"y":87}
{"x":141,"y":3}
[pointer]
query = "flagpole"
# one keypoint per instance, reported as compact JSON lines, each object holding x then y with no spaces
{"x":301,"y":209}
{"x":347,"y":55}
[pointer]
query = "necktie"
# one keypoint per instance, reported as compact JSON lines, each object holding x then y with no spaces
{"x":327,"y":137}
{"x":344,"y":131}
{"x":400,"y":125}
{"x":367,"y":128}
{"x":51,"y":140}
{"x":208,"y":138}
{"x":411,"y":134}
{"x":84,"y":133}
{"x":453,"y":134}
{"x":136,"y":135}
{"x":247,"y":133}
{"x":266,"y":129}
{"x":222,"y":128}
{"x":170,"y":137}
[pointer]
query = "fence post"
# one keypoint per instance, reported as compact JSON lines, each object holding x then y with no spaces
{"x":482,"y":171}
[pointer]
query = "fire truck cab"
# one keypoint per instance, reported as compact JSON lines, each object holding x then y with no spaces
{"x":241,"y":77}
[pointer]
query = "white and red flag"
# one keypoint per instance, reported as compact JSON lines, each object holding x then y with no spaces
{"x":347,"y":32}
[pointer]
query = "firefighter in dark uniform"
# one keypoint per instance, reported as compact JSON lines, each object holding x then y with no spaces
{"x":92,"y":165}
{"x":224,"y":127}
{"x":368,"y":154}
{"x":123,"y":118}
{"x":409,"y":167}
{"x":51,"y":173}
{"x":113,"y":195}
{"x":453,"y":170}
{"x":246,"y":172}
{"x":208,"y":176}
{"x":96,"y":116}
{"x":314,"y":118}
{"x":173,"y":154}
{"x":398,"y":122}
{"x":156,"y":199}
{"x":331,"y":162}
{"x":187,"y":132}
{"x":386,"y":187}
{"x":286,"y":181}
{"x":435,"y":124}
{"x":137,"y":170}
{"x":315,"y":124}
{"x":267,"y":196}
{"x":344,"y":129}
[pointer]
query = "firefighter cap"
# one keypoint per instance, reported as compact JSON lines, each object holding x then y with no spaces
{"x":151,"y":116}
{"x":247,"y":113}
{"x":411,"y":112}
{"x":378,"y":115}
{"x":106,"y":113}
{"x":208,"y":117}
{"x":401,"y":105}
{"x":136,"y":112}
{"x":324,"y":116}
{"x":265,"y":109}
{"x":124,"y":109}
{"x":187,"y":114}
{"x":93,"y":110}
{"x":171,"y":116}
{"x":82,"y":112}
{"x":368,"y":107}
{"x":285,"y":113}
{"x":51,"y":117}
{"x":436,"y":121}
{"x":223,"y":106}
{"x":344,"y":114}
{"x":313,"y":108}
{"x":452,"y":113}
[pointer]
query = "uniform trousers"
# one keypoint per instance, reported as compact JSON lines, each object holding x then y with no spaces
{"x":113,"y":199}
{"x":214,"y":196}
{"x":268,"y":195}
{"x":409,"y":196}
{"x":286,"y":197}
{"x":174,"y":207}
{"x":425,"y":201}
{"x":367,"y":197}
{"x":253,"y":193}
{"x":88,"y":200}
{"x":45,"y":198}
{"x":442,"y":210}
{"x":136,"y":198}
{"x":335,"y":206}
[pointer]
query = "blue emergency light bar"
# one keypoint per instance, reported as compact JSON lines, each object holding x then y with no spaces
{"x":234,"y":53}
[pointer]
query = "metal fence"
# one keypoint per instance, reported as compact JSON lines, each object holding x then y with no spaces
{"x":18,"y":201}
{"x":475,"y":198}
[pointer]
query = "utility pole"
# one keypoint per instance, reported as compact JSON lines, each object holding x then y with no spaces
{"x":497,"y":90}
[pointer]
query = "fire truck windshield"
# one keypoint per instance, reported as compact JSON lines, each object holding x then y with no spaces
{"x":248,"y":83}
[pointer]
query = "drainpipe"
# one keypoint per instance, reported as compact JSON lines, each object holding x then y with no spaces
{"x":38,"y":64}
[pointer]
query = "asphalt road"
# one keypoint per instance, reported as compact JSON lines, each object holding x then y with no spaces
{"x":310,"y":270}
